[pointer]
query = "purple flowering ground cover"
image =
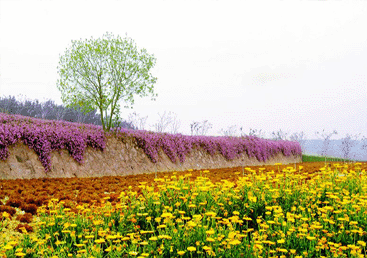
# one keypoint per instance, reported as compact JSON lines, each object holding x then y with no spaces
{"x":44,"y":136}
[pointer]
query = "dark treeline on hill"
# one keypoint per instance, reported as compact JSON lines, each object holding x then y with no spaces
{"x":50,"y":110}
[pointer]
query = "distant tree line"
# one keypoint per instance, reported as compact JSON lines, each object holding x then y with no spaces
{"x":51,"y":111}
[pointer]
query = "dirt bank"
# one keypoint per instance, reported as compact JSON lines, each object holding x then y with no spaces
{"x":117,"y":159}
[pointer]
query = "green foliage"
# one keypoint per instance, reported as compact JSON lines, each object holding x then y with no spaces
{"x":310,"y":158}
{"x":97,"y":74}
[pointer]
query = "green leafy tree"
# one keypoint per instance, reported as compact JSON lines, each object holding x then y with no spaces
{"x":96,"y":74}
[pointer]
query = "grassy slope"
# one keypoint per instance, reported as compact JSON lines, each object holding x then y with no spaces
{"x":310,"y":158}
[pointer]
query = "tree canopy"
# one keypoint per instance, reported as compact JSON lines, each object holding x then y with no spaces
{"x":100,"y":73}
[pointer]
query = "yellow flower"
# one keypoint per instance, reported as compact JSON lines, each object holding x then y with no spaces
{"x":361,"y":243}
{"x":310,"y":237}
{"x":281,"y":241}
{"x":252,"y":199}
{"x":210,"y":213}
{"x":111,"y":237}
{"x":210,"y":232}
{"x":206,"y":248}
{"x":191,"y":224}
{"x":8,"y":247}
{"x":97,"y":222}
{"x":166,"y":214}
{"x":99,"y":241}
{"x":191,"y":248}
{"x":235,"y":242}
{"x":181,"y":252}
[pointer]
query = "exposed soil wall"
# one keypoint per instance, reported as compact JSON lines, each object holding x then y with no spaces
{"x":118,"y":158}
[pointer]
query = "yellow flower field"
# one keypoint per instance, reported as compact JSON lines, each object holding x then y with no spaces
{"x":277,"y":213}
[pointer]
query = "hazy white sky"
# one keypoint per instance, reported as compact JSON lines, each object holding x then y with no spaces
{"x":270,"y":65}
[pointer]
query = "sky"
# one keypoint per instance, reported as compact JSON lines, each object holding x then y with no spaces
{"x":295,"y":66}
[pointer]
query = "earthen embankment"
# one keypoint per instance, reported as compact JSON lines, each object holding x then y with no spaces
{"x":119,"y":158}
